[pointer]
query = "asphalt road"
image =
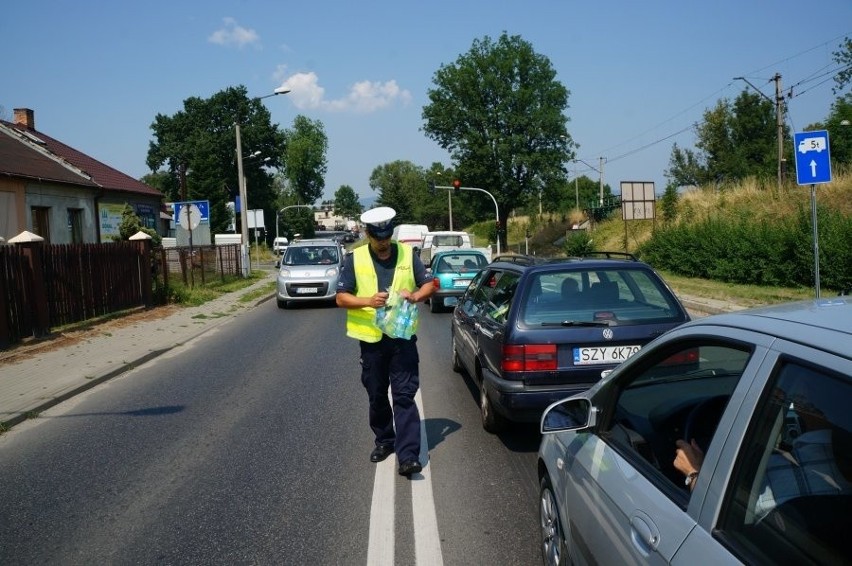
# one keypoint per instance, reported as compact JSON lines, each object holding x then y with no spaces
{"x":250,"y":445}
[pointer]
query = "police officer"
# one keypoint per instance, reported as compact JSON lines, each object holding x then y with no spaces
{"x":365,"y":279}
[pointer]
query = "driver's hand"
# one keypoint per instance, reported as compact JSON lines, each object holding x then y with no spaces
{"x":688,"y":457}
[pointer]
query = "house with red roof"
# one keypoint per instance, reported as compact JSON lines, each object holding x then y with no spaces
{"x":63,"y":195}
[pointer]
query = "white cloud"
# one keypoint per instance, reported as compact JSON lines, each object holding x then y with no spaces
{"x":234,"y":34}
{"x":363,"y":97}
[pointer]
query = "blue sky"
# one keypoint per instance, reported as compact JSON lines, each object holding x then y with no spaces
{"x":96,"y":73}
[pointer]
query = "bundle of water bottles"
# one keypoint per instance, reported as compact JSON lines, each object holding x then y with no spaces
{"x":398,"y":319}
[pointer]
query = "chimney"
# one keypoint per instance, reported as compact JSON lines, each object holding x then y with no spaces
{"x":25,"y":117}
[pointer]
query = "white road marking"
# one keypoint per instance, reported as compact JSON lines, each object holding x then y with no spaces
{"x":380,"y":548}
{"x":427,"y":540}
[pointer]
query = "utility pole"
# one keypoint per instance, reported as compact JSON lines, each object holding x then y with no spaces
{"x":601,"y":172}
{"x":779,"y":122}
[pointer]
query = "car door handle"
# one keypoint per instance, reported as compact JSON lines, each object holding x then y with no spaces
{"x":644,"y":533}
{"x":477,"y":327}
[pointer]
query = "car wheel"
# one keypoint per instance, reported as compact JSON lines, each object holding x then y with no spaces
{"x":491,"y":420}
{"x":457,"y":366}
{"x":435,"y":305}
{"x":282,"y":304}
{"x":553,"y":547}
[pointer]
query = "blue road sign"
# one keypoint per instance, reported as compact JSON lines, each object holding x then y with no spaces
{"x":813,"y":164}
{"x":203,"y":208}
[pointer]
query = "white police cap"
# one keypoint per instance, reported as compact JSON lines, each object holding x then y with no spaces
{"x":379,"y":221}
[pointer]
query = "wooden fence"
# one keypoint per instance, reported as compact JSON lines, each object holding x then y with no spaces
{"x":45,"y":286}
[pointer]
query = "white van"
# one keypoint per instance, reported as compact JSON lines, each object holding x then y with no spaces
{"x":411,"y":234}
{"x":279,"y":245}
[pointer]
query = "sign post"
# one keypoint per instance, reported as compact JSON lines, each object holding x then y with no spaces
{"x":813,"y":167}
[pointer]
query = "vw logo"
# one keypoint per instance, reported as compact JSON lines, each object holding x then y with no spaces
{"x":607,"y":334}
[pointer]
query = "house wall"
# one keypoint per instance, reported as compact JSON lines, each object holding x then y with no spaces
{"x":12,"y":218}
{"x":59,"y":200}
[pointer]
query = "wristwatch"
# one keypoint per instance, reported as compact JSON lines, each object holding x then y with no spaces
{"x":690,"y":477}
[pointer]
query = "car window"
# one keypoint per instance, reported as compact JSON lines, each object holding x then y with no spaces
{"x":791,"y":491}
{"x":480,"y":291}
{"x":626,"y":295}
{"x":460,"y":263}
{"x":681,"y":394}
{"x":501,"y":298}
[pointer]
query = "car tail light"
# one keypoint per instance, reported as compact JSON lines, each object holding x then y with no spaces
{"x":681,"y":358}
{"x":529,"y":357}
{"x":436,"y":283}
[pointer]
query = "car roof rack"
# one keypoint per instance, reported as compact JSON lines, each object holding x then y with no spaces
{"x":519,"y":259}
{"x":609,"y":255}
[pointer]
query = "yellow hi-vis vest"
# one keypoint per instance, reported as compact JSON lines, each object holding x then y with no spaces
{"x":361,"y":323}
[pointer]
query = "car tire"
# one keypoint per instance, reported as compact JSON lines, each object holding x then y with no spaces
{"x":554,"y":551}
{"x":492,"y":421}
{"x":457,"y":365}
{"x":435,"y":305}
{"x":282,"y":304}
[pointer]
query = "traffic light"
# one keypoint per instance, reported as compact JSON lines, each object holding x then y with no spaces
{"x":432,"y":188}
{"x":498,"y":226}
{"x":456,"y":185}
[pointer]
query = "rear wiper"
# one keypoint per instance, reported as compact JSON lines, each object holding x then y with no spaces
{"x":579,"y":323}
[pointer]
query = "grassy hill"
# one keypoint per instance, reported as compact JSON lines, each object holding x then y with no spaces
{"x":757,"y":202}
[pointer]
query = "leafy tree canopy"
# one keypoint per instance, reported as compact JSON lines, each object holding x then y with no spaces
{"x":499,"y":111}
{"x":346,"y":202}
{"x":201,"y":139}
{"x":305,"y":158}
{"x":735,"y":140}
{"x":843,"y":57}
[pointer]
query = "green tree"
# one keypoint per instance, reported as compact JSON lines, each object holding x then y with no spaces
{"x":399,"y":184}
{"x":201,"y":139}
{"x":668,"y":204}
{"x":839,"y":131}
{"x":131,"y":224}
{"x":305,"y":158}
{"x":165,"y":182}
{"x":498,"y":110}
{"x":346,"y":202}
{"x":843,"y":57}
{"x":734,"y":141}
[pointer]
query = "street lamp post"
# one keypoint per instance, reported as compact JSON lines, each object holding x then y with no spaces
{"x":277,"y":214}
{"x":241,"y":181}
{"x":496,"y":209}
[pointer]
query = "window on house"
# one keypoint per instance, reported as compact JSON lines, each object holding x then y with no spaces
{"x":75,"y":225}
{"x":41,"y":222}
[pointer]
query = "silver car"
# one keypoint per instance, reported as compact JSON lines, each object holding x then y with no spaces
{"x":766,"y":396}
{"x":308,"y":271}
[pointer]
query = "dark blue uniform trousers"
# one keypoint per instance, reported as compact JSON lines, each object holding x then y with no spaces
{"x":393,"y":362}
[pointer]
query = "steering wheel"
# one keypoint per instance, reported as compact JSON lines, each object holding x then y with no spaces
{"x":702,"y":420}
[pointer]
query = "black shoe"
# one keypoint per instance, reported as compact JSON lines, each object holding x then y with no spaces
{"x":381,"y":452}
{"x":408,"y":468}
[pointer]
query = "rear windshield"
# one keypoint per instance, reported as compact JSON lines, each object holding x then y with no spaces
{"x":447,"y":240}
{"x":311,"y":255}
{"x":626,"y":296}
{"x":460,"y":263}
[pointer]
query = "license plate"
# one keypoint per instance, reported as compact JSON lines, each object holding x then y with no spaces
{"x":603,"y":354}
{"x":461,"y":283}
{"x":306,"y":291}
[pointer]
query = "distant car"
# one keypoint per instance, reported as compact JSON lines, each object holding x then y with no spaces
{"x":452,"y":272}
{"x":766,"y":395}
{"x":279,"y":244}
{"x":530,"y":332}
{"x":309,"y":271}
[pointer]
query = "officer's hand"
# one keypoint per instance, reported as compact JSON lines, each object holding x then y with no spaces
{"x":379,"y":300}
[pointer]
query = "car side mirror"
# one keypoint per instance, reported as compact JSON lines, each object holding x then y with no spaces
{"x":568,"y":414}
